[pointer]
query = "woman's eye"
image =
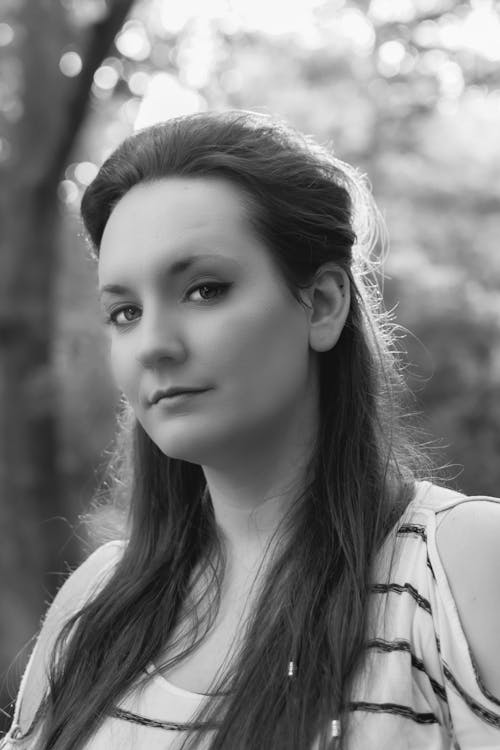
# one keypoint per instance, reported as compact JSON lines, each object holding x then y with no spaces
{"x":210,"y":285}
{"x":113,"y":317}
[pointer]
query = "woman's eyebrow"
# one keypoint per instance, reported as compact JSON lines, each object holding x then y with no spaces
{"x":173,"y":269}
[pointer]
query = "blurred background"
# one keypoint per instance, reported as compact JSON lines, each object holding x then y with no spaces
{"x":408,"y":91}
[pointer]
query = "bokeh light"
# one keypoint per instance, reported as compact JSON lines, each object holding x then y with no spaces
{"x":451,"y":79}
{"x":5,"y":149}
{"x":106,"y":77}
{"x":130,"y":109}
{"x":12,"y":108}
{"x":390,"y":57}
{"x":85,"y":172}
{"x":386,"y":11}
{"x":138,"y":82}
{"x":67,"y":192}
{"x":174,"y":16}
{"x":6,"y":34}
{"x":356,"y":27}
{"x":166,"y":97}
{"x":481,"y":32}
{"x":85,"y":12}
{"x":70,"y":64}
{"x":133,"y":41}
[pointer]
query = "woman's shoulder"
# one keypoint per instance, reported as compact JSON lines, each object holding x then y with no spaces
{"x":445,"y":548}
{"x":79,"y":586}
{"x":458,"y":533}
{"x":434,"y":498}
{"x":82,"y":584}
{"x":462,"y":557}
{"x":437,"y":599}
{"x":85,"y":580}
{"x":431,"y":503}
{"x":405,"y":546}
{"x":468,"y":544}
{"x":93,"y":570}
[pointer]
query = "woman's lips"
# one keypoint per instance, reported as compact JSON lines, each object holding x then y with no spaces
{"x":178,"y":398}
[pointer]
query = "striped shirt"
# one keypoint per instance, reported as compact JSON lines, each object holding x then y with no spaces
{"x":418,"y":686}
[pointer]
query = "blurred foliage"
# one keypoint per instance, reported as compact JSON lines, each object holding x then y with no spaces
{"x":407,"y":91}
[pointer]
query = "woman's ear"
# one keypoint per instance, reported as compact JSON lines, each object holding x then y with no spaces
{"x":329,"y":297}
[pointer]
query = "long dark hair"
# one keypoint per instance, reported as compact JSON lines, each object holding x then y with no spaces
{"x":308,"y":208}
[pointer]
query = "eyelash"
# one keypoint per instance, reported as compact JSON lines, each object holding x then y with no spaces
{"x":111,"y":317}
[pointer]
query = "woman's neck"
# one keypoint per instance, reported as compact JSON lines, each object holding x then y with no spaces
{"x":254,"y":479}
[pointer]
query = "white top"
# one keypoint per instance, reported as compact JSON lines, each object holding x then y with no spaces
{"x":417,"y":688}
{"x":159,"y":700}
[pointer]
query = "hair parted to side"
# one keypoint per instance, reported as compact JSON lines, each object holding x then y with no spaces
{"x":308,"y":208}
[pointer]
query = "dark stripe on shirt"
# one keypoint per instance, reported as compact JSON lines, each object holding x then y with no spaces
{"x":394,"y":708}
{"x":411,"y":528}
{"x":490,"y":717}
{"x":120,"y":713}
{"x":403,"y":645}
{"x":407,"y":588}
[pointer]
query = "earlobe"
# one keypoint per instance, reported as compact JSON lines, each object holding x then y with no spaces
{"x":330,"y":302}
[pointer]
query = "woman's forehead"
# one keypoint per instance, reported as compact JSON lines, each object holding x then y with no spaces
{"x":174,"y":209}
{"x":181,"y":200}
{"x":162,"y":223}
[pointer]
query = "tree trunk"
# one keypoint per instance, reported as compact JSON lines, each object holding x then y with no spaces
{"x":37,"y":145}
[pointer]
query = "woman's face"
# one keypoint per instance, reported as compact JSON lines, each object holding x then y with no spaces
{"x":225,"y":322}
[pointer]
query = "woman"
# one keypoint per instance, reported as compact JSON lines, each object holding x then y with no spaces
{"x":278,"y":581}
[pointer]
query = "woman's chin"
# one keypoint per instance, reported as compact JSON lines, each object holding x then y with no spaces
{"x":184,"y":444}
{"x":195,"y":447}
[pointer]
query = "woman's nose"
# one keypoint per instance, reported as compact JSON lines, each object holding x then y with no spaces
{"x":158,"y":339}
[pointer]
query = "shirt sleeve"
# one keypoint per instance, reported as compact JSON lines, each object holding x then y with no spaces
{"x":398,"y":699}
{"x":79,"y":587}
{"x":474,"y":711}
